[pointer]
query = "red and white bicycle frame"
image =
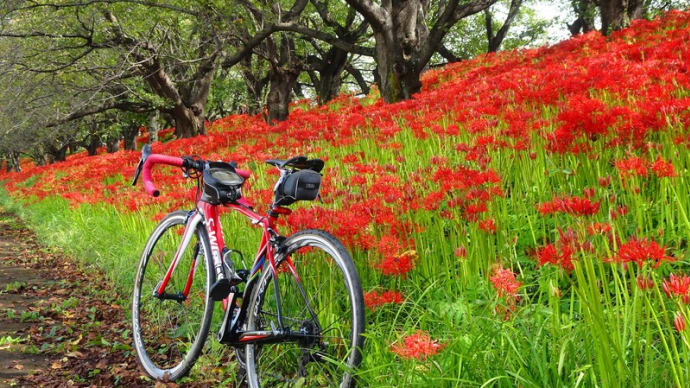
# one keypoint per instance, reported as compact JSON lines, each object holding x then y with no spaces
{"x":207,"y":214}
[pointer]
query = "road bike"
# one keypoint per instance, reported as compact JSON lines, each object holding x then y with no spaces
{"x":295,"y":317}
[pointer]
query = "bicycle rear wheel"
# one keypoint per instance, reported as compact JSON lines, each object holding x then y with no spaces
{"x":329,"y":308}
{"x":169,"y":332}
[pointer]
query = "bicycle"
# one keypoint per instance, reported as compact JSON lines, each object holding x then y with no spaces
{"x":295,"y":317}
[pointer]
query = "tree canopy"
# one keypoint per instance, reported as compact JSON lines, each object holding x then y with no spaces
{"x":87,"y":73}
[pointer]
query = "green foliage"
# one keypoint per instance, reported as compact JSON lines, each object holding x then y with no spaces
{"x":468,"y":38}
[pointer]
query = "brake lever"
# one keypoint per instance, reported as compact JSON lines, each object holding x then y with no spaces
{"x":138,"y":171}
{"x":146,"y":151}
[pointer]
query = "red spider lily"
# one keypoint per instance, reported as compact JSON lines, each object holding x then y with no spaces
{"x":679,"y":322}
{"x":604,"y":181}
{"x":548,"y":254}
{"x":578,"y":206}
{"x":562,"y":254}
{"x":632,"y":166}
{"x":418,"y":345}
{"x":461,"y":251}
{"x":662,"y":168}
{"x":398,"y":265}
{"x":504,"y":282}
{"x":677,"y":286}
{"x":641,"y":250}
{"x":374,"y":299}
{"x":599,"y":228}
{"x":488,"y":225}
{"x":389,"y":245}
{"x":493,"y":102}
{"x":644,"y":283}
{"x":621,"y":211}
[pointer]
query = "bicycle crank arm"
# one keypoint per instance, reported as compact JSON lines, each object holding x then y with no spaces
{"x":180,"y":297}
{"x":268,"y":337}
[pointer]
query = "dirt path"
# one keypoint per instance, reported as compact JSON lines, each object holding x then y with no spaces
{"x":15,"y":277}
{"x":58,"y":325}
{"x":62,"y":325}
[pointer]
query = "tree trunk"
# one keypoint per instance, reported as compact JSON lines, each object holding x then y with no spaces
{"x":39,"y":158}
{"x":398,"y":73}
{"x":616,"y":14}
{"x":189,"y":122}
{"x":282,"y":81}
{"x":154,"y":127}
{"x":397,"y":51}
{"x":130,"y":134}
{"x":92,"y":146}
{"x":255,"y":83}
{"x":330,"y":80}
{"x":112,"y":145}
{"x":359,"y":78}
{"x":585,"y":11}
{"x":636,"y":9}
{"x":14,"y":158}
{"x":56,"y":154}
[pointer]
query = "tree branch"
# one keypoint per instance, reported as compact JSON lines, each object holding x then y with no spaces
{"x":357,"y":75}
{"x":450,"y":15}
{"x":119,"y":105}
{"x":495,"y":41}
{"x":447,"y":54}
{"x":249,"y":46}
{"x":84,"y":3}
{"x":375,"y":15}
{"x":469,"y":9}
{"x":320,"y":35}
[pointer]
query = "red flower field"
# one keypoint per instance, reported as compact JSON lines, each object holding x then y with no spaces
{"x":502,"y":220}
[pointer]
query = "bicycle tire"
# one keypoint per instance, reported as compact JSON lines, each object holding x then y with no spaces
{"x":327,"y":360}
{"x":160,"y":340}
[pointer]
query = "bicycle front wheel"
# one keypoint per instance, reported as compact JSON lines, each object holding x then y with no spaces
{"x":170,"y":330}
{"x":322,"y":300}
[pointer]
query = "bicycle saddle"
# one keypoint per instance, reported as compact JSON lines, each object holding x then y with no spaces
{"x":298,"y":162}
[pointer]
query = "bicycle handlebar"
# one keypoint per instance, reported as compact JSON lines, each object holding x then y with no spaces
{"x":152,"y":160}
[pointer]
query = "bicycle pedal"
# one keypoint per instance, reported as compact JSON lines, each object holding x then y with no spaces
{"x":220,"y":289}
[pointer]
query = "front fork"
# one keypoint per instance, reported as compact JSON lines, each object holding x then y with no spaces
{"x":190,"y":227}
{"x":221,"y":287}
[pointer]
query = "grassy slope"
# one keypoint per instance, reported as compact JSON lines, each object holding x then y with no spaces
{"x":549,"y":122}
